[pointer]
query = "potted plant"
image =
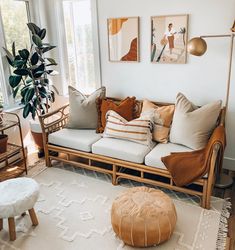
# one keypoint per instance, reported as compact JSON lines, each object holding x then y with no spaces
{"x":29,"y":79}
{"x":3,"y":137}
{"x":3,"y":143}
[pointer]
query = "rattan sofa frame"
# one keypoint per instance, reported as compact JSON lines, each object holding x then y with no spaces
{"x":119,"y":169}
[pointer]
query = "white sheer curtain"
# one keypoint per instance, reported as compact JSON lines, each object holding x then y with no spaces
{"x":78,"y":44}
{"x":14,"y":16}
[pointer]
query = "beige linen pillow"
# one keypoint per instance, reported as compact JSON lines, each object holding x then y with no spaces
{"x":162,"y":119}
{"x":83,"y":112}
{"x":138,"y":130}
{"x":192,"y":126}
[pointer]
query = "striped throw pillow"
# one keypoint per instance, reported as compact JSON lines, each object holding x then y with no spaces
{"x":138,"y":130}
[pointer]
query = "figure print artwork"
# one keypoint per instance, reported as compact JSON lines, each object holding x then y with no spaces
{"x":169,"y":39}
{"x":233,"y":27}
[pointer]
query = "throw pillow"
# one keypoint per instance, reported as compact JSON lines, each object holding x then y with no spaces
{"x":162,"y":119}
{"x":138,"y":130}
{"x":83,"y":113}
{"x":126,"y":108}
{"x":192,"y":125}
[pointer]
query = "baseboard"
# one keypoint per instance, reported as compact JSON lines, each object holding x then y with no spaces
{"x":229,"y":163}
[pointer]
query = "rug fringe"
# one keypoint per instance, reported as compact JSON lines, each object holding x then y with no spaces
{"x":223,"y":225}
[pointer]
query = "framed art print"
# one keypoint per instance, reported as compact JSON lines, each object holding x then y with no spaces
{"x":123,"y":39}
{"x":233,"y":27}
{"x":169,"y":39}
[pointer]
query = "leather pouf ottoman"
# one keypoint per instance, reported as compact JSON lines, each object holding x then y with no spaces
{"x":143,"y":217}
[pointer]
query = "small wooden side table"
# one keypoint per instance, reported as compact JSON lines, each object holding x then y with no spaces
{"x":17,"y":168}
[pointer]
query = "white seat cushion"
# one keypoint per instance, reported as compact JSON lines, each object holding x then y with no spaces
{"x":80,"y":139}
{"x":153,"y":159}
{"x":121,"y":149}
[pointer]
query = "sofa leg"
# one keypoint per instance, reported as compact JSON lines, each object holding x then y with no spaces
{"x":114,"y":177}
{"x":204,"y":195}
{"x":47,"y":157}
{"x":48,"y":162}
{"x":114,"y":182}
{"x":203,"y":201}
{"x":208,"y":203}
{"x":208,"y":196}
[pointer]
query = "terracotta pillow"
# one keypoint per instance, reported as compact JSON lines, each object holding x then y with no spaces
{"x":126,"y":109}
{"x":162,"y":119}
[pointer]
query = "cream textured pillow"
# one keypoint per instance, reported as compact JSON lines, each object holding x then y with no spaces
{"x":162,"y":119}
{"x":192,"y":126}
{"x":83,"y":112}
{"x":138,"y":130}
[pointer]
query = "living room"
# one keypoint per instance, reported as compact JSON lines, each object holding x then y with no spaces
{"x":117,"y":124}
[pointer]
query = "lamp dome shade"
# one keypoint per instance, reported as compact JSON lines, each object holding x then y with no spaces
{"x":197,"y":46}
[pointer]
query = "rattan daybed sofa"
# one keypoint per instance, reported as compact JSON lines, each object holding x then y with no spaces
{"x":121,"y":159}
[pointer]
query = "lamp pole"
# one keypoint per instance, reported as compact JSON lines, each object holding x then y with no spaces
{"x":197,"y":46}
{"x":229,"y":71}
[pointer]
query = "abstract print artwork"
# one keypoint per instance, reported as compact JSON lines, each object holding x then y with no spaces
{"x":123,"y":38}
{"x":169,"y":39}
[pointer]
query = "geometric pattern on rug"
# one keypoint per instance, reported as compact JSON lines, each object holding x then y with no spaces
{"x":65,"y":194}
{"x":128,"y":183}
{"x":193,"y":199}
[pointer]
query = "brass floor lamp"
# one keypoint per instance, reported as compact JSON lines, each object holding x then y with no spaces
{"x":197,"y":46}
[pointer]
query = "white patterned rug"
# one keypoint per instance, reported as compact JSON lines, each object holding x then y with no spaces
{"x":74,"y":214}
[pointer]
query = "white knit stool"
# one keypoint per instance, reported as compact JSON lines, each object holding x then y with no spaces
{"x":17,"y":196}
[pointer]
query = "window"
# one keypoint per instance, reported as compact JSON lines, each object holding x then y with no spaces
{"x":81,"y":45}
{"x":14,"y":15}
{"x":3,"y":87}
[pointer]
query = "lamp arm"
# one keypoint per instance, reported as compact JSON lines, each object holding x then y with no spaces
{"x":213,"y":36}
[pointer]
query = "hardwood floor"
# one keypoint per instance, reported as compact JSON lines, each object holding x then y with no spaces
{"x":230,"y":193}
{"x":231,"y":229}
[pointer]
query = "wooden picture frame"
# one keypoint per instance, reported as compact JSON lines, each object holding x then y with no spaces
{"x":169,"y":37}
{"x":233,"y":27}
{"x":123,"y":39}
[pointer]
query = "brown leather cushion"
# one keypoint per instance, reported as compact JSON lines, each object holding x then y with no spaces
{"x":125,"y":108}
{"x":143,"y":216}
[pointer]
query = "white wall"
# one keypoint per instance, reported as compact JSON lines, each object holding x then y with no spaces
{"x":202,"y":79}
